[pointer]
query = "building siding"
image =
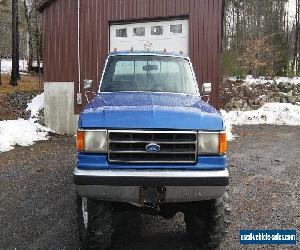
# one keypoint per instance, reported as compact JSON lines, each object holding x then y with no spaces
{"x":60,"y":35}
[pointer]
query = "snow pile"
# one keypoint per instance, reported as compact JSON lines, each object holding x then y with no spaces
{"x":35,"y":106}
{"x":250,"y":80}
{"x":6,"y":65}
{"x":23,"y":132}
{"x":228,"y":126}
{"x":270,"y":113}
{"x":294,"y":80}
{"x":20,"y":132}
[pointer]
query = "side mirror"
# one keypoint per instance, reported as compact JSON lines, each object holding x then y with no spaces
{"x":88,"y":84}
{"x":206,"y":89}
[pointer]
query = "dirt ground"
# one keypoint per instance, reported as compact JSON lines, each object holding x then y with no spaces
{"x":37,"y":196}
{"x":14,"y":99}
{"x":28,"y":82}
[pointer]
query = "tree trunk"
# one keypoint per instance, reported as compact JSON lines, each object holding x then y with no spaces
{"x":37,"y":38}
{"x":29,"y":37}
{"x":295,"y":63}
{"x":15,"y":74}
{"x":298,"y":36}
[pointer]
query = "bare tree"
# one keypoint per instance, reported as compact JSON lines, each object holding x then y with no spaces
{"x":15,"y":74}
{"x":297,"y":37}
{"x":28,"y":14}
{"x":33,"y":30}
{"x":37,"y":35}
{"x":260,"y":23}
{"x":3,"y":3}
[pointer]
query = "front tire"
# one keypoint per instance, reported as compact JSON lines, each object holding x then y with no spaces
{"x":208,"y":222}
{"x":95,"y":223}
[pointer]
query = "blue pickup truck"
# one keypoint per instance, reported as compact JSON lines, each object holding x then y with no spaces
{"x":148,"y":141}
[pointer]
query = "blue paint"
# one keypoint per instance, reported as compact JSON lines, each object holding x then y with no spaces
{"x":147,"y":110}
{"x":96,"y":162}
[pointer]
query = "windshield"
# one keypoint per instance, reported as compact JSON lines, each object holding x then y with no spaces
{"x":149,"y":73}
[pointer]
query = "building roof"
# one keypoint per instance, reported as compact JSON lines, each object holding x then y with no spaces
{"x":43,"y":4}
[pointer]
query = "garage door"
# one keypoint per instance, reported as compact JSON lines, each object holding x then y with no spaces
{"x":159,"y":35}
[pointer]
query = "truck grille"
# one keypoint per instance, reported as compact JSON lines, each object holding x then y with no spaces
{"x":130,"y":146}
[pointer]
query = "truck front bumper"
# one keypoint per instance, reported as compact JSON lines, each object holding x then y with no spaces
{"x":125,"y":185}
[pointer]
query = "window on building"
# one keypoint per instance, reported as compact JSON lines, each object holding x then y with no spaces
{"x":139,"y":31}
{"x":121,"y":32}
{"x":176,"y":29}
{"x":157,"y":30}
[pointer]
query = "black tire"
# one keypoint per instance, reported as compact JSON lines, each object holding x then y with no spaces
{"x":207,"y":224}
{"x":98,"y":232}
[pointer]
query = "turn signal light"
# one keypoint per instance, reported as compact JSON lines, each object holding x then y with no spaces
{"x":222,"y":143}
{"x":80,"y":141}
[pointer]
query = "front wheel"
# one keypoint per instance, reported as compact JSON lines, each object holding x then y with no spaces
{"x":94,"y":223}
{"x":207,"y":223}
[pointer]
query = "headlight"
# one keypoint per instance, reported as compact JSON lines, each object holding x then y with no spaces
{"x":93,"y":141}
{"x":212,"y":143}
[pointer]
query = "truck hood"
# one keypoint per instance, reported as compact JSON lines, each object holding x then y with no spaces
{"x":146,"y":110}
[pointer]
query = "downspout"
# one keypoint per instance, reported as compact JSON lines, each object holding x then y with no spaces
{"x":79,"y":95}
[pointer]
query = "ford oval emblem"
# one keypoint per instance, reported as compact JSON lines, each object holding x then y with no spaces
{"x":153,"y":148}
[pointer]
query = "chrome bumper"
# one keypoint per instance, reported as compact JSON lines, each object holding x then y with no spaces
{"x":124,"y":185}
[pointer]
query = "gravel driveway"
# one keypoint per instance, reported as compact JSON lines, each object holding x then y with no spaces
{"x":37,"y":196}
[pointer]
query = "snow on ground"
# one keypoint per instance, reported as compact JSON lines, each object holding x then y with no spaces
{"x":294,"y":80}
{"x":23,"y":132}
{"x":270,"y":113}
{"x":35,"y":106}
{"x":228,"y":126}
{"x":6,"y":65}
{"x":250,"y":80}
{"x":20,"y":132}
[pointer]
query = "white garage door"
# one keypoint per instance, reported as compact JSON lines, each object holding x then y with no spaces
{"x":159,"y":35}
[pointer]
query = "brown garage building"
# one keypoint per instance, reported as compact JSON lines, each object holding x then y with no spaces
{"x":76,"y":45}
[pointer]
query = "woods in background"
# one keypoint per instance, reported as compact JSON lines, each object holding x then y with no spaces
{"x":29,"y":30}
{"x":260,"y":38}
{"x":34,"y":37}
